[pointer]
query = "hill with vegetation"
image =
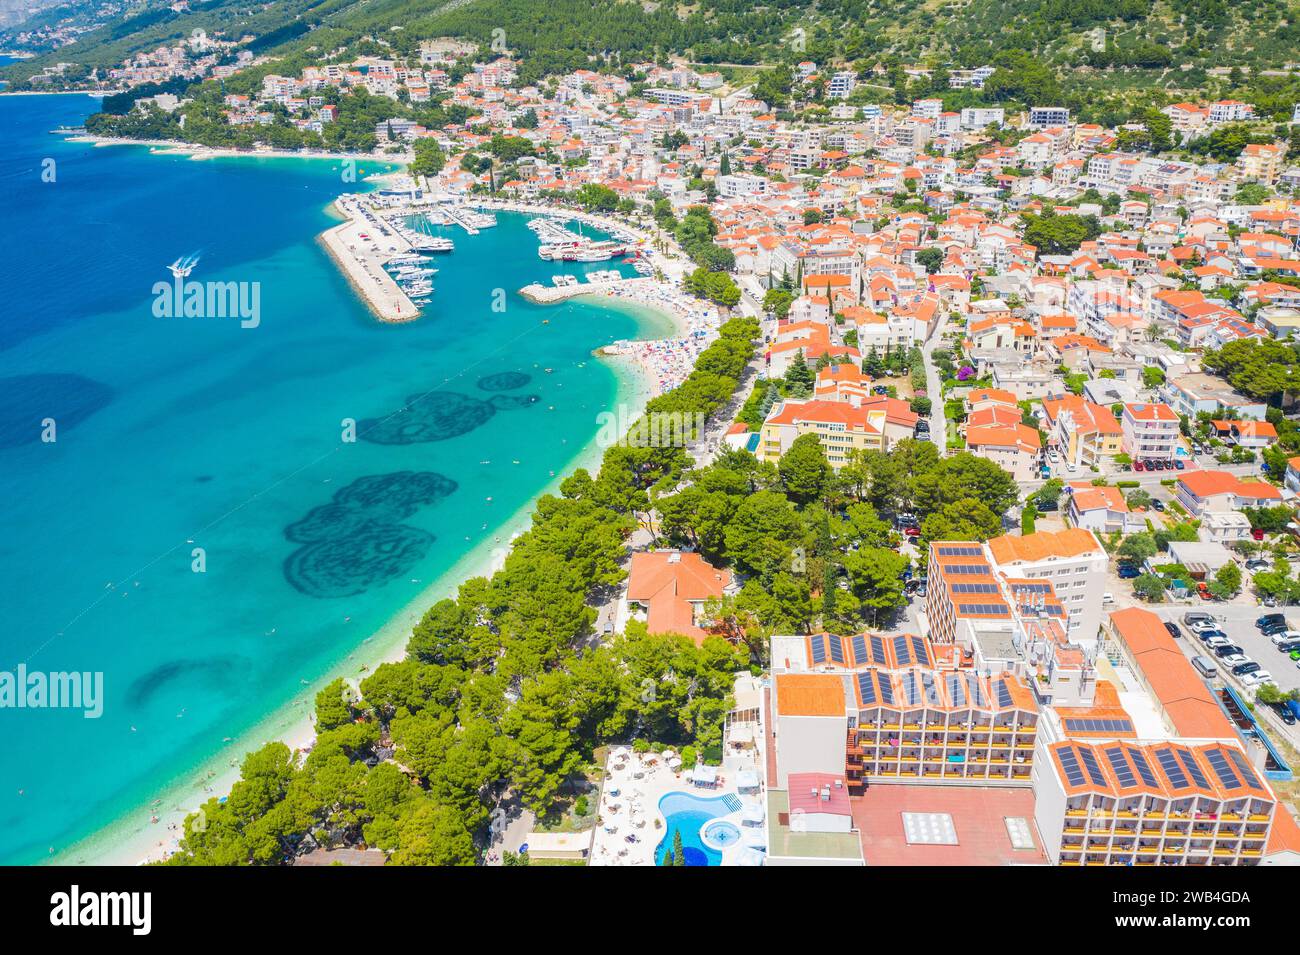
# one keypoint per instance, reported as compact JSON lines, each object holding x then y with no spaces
{"x":1160,"y":38}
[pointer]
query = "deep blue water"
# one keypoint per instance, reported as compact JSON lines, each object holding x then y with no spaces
{"x":179,"y":433}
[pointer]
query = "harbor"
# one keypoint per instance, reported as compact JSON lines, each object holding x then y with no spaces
{"x":386,"y":258}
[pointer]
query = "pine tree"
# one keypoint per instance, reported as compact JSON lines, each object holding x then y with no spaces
{"x":679,"y":854}
{"x":724,"y":166}
{"x":799,"y":376}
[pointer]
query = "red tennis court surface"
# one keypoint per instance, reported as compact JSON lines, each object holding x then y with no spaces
{"x":978,"y":815}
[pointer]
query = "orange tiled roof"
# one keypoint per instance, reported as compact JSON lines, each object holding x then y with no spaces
{"x":809,"y":694}
{"x":1029,"y":548}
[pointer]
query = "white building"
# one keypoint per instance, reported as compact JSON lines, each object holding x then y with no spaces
{"x":1072,"y":559}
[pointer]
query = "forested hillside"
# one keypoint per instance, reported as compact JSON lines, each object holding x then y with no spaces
{"x":1142,"y":35}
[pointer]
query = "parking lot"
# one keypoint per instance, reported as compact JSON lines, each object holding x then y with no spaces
{"x":1239,"y":625}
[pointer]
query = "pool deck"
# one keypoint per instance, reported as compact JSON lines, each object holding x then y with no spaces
{"x":642,"y":781}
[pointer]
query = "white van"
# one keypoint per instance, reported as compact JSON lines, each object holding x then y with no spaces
{"x":1205,"y":667}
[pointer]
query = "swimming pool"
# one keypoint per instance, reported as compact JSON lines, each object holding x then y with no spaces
{"x":719,"y":834}
{"x":688,"y":814}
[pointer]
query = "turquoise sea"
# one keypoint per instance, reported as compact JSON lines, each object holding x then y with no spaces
{"x":179,"y":433}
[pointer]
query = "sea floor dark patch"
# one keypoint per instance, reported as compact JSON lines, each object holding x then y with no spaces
{"x":27,"y":400}
{"x":504,"y":381}
{"x":437,"y":416}
{"x":371,"y":555}
{"x":404,"y":491}
{"x":356,"y":542}
{"x":217,"y":672}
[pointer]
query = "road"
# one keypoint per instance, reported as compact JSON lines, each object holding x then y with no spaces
{"x":1147,"y":480}
{"x":934,"y":386}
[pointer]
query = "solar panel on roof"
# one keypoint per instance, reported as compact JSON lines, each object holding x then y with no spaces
{"x":818,"y":644}
{"x":1123,"y":772}
{"x":878,"y":650}
{"x":911,"y":688}
{"x":1098,"y":726}
{"x":1193,"y":768}
{"x":986,"y":609}
{"x":1244,"y":768}
{"x":1139,"y":760}
{"x":974,"y":588}
{"x":931,"y":688}
{"x":902,"y":652}
{"x":1070,"y":763}
{"x":961,"y":552}
{"x":886,"y":690}
{"x":1094,"y":768}
{"x":867,"y":688}
{"x":968,"y":570}
{"x":1219,"y":763}
{"x":859,"y":649}
{"x":1004,"y":694}
{"x":1177,"y":778}
{"x":956,"y":689}
{"x":920,"y":650}
{"x":837,"y":649}
{"x":975,"y":690}
{"x":1030,"y":590}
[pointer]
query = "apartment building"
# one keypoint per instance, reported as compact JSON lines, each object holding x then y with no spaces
{"x":1072,"y":560}
{"x":1150,"y":432}
{"x":898,"y":709}
{"x":1120,"y":802}
{"x":1012,"y":446}
{"x":876,"y":423}
{"x":1203,"y":491}
{"x":1042,"y":117}
{"x":1084,"y":432}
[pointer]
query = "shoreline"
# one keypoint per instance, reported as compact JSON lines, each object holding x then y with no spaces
{"x":132,"y":840}
{"x":128,"y":842}
{"x":178,"y":147}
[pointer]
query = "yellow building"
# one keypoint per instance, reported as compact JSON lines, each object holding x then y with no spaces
{"x":841,"y":426}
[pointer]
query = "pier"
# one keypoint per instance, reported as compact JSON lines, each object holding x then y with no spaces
{"x":547,"y":294}
{"x":361,"y":246}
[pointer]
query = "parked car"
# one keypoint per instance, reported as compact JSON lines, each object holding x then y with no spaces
{"x":1128,"y":571}
{"x":1275,"y":628}
{"x":1158,"y":504}
{"x":1047,"y":505}
{"x":1227,"y":650}
{"x":1205,"y":666}
{"x":912,"y":531}
{"x":1246,"y":665}
{"x":1193,"y":617}
{"x":1139,"y":466}
{"x":1256,"y":678}
{"x":1270,"y":618}
{"x":1283,"y":712}
{"x":1256,"y":564}
{"x":1291,"y":646}
{"x":1257,"y":533}
{"x":1178,"y":463}
{"x":1235,"y":660}
{"x":1203,"y":591}
{"x":1173,"y":630}
{"x":1285,"y":636}
{"x":1207,"y":635}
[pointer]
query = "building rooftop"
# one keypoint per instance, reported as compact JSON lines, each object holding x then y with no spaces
{"x":809,"y":694}
{"x":979,"y":820}
{"x":784,"y":842}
